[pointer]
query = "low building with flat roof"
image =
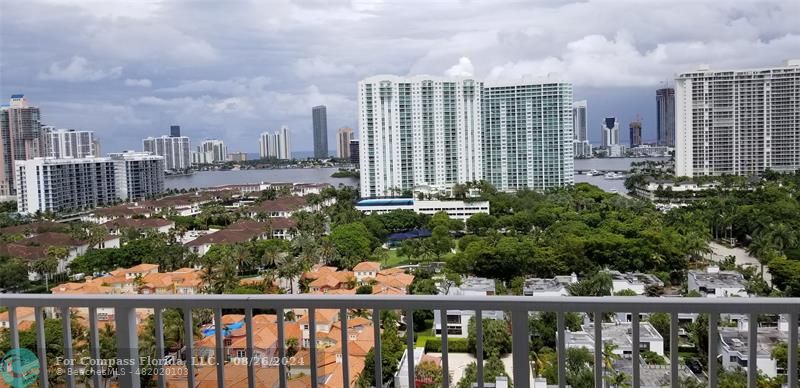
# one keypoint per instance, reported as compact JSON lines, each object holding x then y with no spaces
{"x":459,"y":210}
{"x":621,"y":335}
{"x":556,"y":286}
{"x":457,"y":321}
{"x":713,"y":283}
{"x":635,"y":281}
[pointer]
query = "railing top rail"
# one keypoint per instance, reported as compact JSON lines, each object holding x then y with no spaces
{"x":422,"y":302}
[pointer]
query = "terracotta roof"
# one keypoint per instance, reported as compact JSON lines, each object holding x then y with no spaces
{"x":323,"y":316}
{"x":235,"y":377}
{"x":367,"y":266}
{"x":141,"y":268}
{"x":121,"y":211}
{"x":137,"y":223}
{"x":34,"y":228}
{"x":53,"y":239}
{"x":282,"y":204}
{"x":282,"y":223}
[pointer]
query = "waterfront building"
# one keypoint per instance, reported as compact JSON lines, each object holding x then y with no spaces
{"x":20,"y":138}
{"x":635,"y":133}
{"x":174,"y":149}
{"x":343,"y":137}
{"x":436,"y":132}
{"x":71,"y":184}
{"x":319,"y":116}
{"x":275,"y":145}
{"x":737,"y":122}
{"x":68,"y":143}
{"x":210,"y":151}
{"x":609,"y":132}
{"x":238,"y":156}
{"x":139,"y":175}
{"x":581,"y":146}
{"x":354,"y":152}
{"x":527,"y":139}
{"x":665,"y":117}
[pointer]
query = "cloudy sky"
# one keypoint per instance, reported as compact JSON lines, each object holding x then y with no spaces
{"x":232,"y":69}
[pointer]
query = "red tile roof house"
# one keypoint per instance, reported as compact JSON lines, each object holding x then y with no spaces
{"x":103,"y":215}
{"x":160,"y":225}
{"x":239,"y":232}
{"x":281,"y":207}
{"x":35,"y":248}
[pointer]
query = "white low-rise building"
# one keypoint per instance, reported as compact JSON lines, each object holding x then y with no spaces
{"x":459,"y":210}
{"x":713,"y":283}
{"x":556,"y":286}
{"x":635,"y":281}
{"x":457,"y":321}
{"x":619,"y":334}
{"x":734,"y":347}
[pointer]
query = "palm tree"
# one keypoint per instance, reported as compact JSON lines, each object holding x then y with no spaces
{"x":617,"y":379}
{"x":782,"y":236}
{"x":763,"y":249}
{"x":272,"y":254}
{"x":609,"y":356}
{"x":46,"y":267}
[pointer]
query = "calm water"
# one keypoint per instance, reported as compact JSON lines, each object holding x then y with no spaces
{"x":618,"y":164}
{"x":315,"y":175}
{"x":219,"y":178}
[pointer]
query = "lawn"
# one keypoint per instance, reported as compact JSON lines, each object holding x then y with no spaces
{"x":394,"y":259}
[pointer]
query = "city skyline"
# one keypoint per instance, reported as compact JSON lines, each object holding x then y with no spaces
{"x":215,"y":82}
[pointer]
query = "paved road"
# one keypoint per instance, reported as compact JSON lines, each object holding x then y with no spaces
{"x":719,"y":252}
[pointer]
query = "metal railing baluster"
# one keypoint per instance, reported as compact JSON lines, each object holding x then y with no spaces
{"x":345,"y":353}
{"x":41,"y":348}
{"x":713,"y":336}
{"x":445,"y":361}
{"x":479,"y":346}
{"x":376,"y":330}
{"x":94,"y":346}
{"x":188,"y":330}
{"x":159,"y":334}
{"x":12,"y":325}
{"x":561,"y":349}
{"x":410,"y":345}
{"x":312,"y":342}
{"x":635,"y":325}
{"x":752,"y":351}
{"x":673,"y":351}
{"x":792,"y":359}
{"x":520,"y":348}
{"x":219,"y":351}
{"x":281,"y":349}
{"x":251,"y":361}
{"x":66,"y":327}
{"x":598,"y":349}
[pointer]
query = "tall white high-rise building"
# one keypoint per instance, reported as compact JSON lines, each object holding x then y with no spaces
{"x":527,"y":134}
{"x":20,"y":138}
{"x":431,"y":133}
{"x":609,"y":132}
{"x":67,"y":143}
{"x":343,"y":137}
{"x":739,"y":122}
{"x":210,"y":151}
{"x":418,"y":131}
{"x":283,"y":145}
{"x":72,"y":184}
{"x":176,"y":150}
{"x":275,"y":145}
{"x":139,"y":175}
{"x":581,"y":147}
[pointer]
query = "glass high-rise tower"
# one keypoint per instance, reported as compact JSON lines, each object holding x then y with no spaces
{"x":319,"y":115}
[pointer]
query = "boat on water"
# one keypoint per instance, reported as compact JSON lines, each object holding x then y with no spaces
{"x":614,"y":176}
{"x":593,"y":172}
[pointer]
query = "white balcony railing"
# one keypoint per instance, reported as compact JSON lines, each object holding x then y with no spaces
{"x":518,"y":307}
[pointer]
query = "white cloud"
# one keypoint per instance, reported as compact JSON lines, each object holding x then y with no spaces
{"x":78,"y":70}
{"x":144,"y":82}
{"x":232,"y":87}
{"x":463,"y":68}
{"x":320,"y":67}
